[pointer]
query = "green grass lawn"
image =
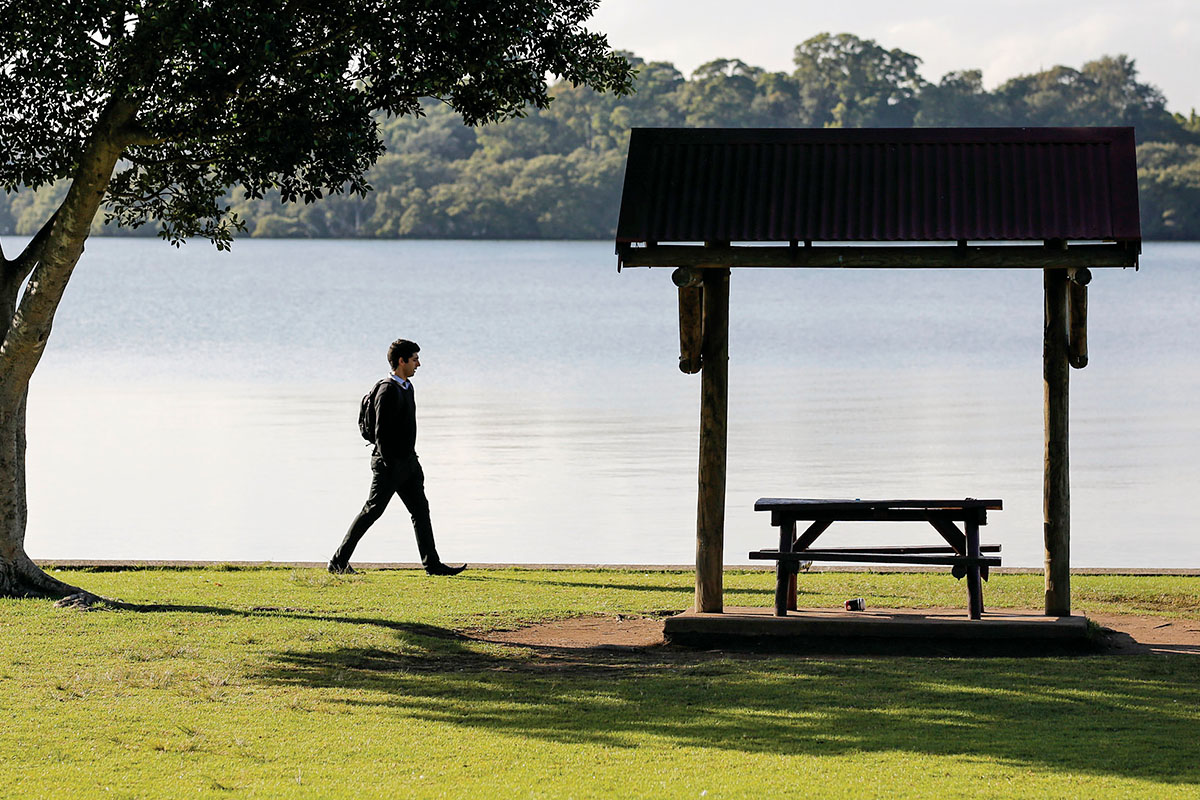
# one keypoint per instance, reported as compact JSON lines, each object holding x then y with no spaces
{"x":294,"y":683}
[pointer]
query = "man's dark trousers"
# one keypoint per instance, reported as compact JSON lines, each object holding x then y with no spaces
{"x":406,"y":480}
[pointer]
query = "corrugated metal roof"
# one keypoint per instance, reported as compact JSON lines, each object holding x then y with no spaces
{"x":879,"y":185}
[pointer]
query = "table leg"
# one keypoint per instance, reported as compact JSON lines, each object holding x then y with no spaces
{"x":783,"y":569}
{"x":974,"y":583}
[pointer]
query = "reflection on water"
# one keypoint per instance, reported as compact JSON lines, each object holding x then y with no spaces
{"x":201,"y":405}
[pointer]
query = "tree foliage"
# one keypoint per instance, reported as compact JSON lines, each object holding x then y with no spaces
{"x":1169,"y":190}
{"x":848,"y":82}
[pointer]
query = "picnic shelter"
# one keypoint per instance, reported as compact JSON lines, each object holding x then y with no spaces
{"x":706,"y":202}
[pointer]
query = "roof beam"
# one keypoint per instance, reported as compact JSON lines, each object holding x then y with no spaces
{"x":912,"y":257}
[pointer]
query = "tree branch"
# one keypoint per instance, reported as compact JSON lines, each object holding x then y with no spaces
{"x":24,"y":263}
{"x":321,"y":45}
{"x":118,"y":26}
{"x":57,"y":253}
{"x":138,"y":136}
{"x":162,"y":162}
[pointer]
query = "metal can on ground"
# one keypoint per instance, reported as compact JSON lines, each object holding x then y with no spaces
{"x":856,"y":604}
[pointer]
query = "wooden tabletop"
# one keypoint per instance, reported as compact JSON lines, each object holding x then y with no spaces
{"x":813,"y":505}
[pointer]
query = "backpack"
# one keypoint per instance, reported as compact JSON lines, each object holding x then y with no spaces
{"x":366,"y":412}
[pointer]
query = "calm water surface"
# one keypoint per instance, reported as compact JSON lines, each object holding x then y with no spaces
{"x":201,"y":405}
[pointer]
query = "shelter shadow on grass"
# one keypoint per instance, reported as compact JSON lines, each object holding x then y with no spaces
{"x":1131,"y":716}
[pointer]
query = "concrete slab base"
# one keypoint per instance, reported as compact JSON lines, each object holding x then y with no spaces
{"x":883,"y":629}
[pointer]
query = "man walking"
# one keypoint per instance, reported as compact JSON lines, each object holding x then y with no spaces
{"x":394,"y":465}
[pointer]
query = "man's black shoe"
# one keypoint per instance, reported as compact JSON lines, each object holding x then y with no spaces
{"x":341,"y":569}
{"x":444,"y":569}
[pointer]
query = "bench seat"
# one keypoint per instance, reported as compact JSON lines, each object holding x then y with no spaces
{"x":877,"y":558}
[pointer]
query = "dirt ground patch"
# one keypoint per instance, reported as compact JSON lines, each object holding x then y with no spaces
{"x":617,"y":631}
{"x":1123,"y":635}
{"x":1130,"y":634}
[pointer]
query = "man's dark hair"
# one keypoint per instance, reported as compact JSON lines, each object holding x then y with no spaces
{"x":401,"y":350}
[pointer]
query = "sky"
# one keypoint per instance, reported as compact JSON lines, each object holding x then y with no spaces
{"x":1003,"y":38}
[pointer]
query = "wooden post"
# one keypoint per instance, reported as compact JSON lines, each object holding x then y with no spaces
{"x":783,"y":569}
{"x":1056,"y":502}
{"x":974,"y":586}
{"x":714,"y":425}
{"x":1077,"y":302}
{"x":691,"y":317}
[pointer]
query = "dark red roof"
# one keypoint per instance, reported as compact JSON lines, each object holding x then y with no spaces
{"x":879,"y":184}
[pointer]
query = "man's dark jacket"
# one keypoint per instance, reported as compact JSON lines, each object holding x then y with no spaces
{"x":395,"y":423}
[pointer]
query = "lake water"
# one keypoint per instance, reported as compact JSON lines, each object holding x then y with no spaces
{"x":201,"y":405}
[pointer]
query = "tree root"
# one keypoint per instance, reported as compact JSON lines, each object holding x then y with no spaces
{"x":86,"y":601}
{"x":22,"y":578}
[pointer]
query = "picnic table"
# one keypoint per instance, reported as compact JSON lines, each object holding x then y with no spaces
{"x":962,"y":552}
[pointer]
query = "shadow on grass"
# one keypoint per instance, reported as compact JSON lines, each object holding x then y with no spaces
{"x":419,"y":629}
{"x":684,"y":589}
{"x":1131,"y":716}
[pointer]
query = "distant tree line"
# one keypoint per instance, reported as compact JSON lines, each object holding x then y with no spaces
{"x":556,"y":173}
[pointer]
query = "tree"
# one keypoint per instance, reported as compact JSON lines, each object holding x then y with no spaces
{"x":1190,"y":123}
{"x":154,"y":109}
{"x":656,"y":104}
{"x":777,"y":101}
{"x":438,"y":134}
{"x":1169,"y":190}
{"x":848,"y":82}
{"x":719,"y":93}
{"x":958,"y":100}
{"x":1104,"y":92}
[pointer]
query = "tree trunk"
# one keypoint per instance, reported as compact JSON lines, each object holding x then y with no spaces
{"x":19,"y":576}
{"x":47,"y":262}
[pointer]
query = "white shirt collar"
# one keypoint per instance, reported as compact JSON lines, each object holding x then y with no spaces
{"x":404,"y":384}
